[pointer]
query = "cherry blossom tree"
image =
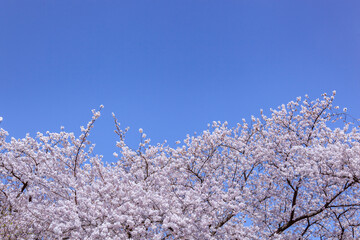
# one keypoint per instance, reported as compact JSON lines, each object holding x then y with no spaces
{"x":292,"y":175}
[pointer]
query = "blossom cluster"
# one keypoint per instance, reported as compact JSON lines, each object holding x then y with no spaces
{"x":292,"y":175}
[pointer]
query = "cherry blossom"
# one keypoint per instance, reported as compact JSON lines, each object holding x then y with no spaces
{"x":291,"y":175}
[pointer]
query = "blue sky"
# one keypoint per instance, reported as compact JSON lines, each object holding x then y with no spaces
{"x":170,"y":67}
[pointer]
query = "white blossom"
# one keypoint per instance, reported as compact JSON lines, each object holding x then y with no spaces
{"x":286,"y":176}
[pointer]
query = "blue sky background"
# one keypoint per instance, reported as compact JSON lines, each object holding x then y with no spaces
{"x":170,"y":67}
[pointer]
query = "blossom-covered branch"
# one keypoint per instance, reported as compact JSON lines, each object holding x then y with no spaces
{"x":291,"y":175}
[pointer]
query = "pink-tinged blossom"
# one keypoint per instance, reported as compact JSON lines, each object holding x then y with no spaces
{"x":286,"y":176}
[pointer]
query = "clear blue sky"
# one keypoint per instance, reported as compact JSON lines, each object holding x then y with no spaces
{"x":170,"y":67}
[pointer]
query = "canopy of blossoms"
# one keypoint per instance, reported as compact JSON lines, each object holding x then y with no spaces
{"x":292,"y":175}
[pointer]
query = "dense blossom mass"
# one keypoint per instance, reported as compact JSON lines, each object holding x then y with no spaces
{"x":293,"y":175}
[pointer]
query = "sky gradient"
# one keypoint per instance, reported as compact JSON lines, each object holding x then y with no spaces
{"x":170,"y":67}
